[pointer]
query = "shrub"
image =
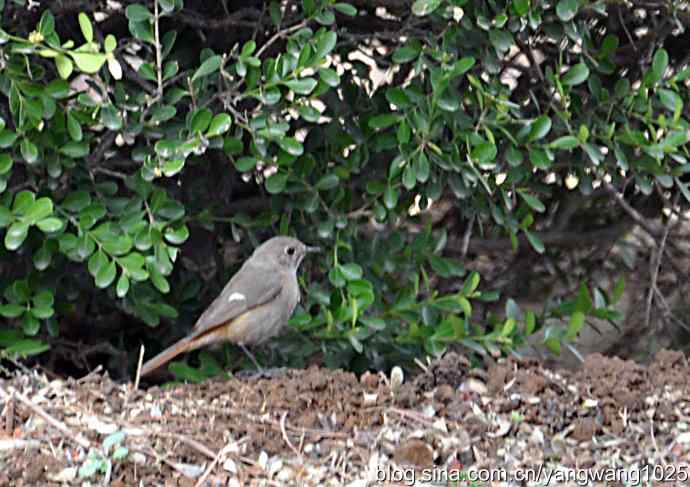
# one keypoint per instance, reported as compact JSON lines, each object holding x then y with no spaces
{"x":138,"y":153}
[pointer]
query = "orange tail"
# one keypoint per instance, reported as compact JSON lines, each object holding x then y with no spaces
{"x":168,"y":354}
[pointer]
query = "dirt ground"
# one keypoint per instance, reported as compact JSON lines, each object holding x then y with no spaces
{"x":506,"y":425}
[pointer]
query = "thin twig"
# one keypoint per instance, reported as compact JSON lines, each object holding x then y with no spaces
{"x":91,"y":374}
{"x":280,"y":34}
{"x":201,"y":448}
{"x":47,"y":417}
{"x":668,"y":313}
{"x":285,"y":436}
{"x":466,"y":237}
{"x":412,"y":415}
{"x":159,"y":59}
{"x":625,"y":29}
{"x":656,"y":266}
{"x":221,"y":454}
{"x":139,"y":364}
{"x":638,"y":218}
{"x":152,"y":453}
{"x":111,"y":173}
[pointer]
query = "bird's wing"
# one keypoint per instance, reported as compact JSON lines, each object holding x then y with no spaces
{"x":252,"y":286}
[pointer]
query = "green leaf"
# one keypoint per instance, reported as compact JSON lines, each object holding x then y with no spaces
{"x":64,"y":66}
{"x":106,"y":275}
{"x":110,"y":43}
{"x":336,"y":277}
{"x":539,"y":159}
{"x":86,"y":28}
{"x":6,"y":163}
{"x":409,"y":177}
{"x":309,"y":113}
{"x":76,"y":201}
{"x":351,"y":271}
{"x":172,"y":167}
{"x":566,"y":9}
{"x":23,"y":201}
{"x":244,"y":164}
{"x":42,"y":312}
{"x":324,"y":45}
{"x":532,"y":201}
{"x":211,"y":65}
{"x":73,"y":128}
{"x":325,"y":17}
{"x":390,"y":197}
{"x":7,"y":138}
{"x":593,"y":152}
{"x":119,"y":245}
{"x":329,"y":181}
{"x":577,"y":320}
{"x":471,"y":283}
{"x":27,"y":347}
{"x":158,"y":280}
{"x":502,"y":40}
{"x":521,"y":7}
{"x":302,"y":86}
{"x":576,"y":75}
{"x":12,"y":310}
{"x":671,"y":100}
{"x":248,"y":49}
{"x":163,"y":113}
{"x":30,"y":325}
{"x":29,"y":151}
{"x":448,"y":102}
{"x":422,"y":168}
{"x":424,"y":7}
{"x":346,"y":9}
{"x":276,"y":183}
{"x":539,"y":128}
{"x":407,"y":53}
{"x":75,"y":150}
{"x":177,"y":235}
{"x":49,"y":225}
{"x":5,"y":216}
{"x":484,"y":153}
{"x":88,"y":62}
{"x":97,"y":260}
{"x":122,"y":287}
{"x":660,"y":63}
{"x":16,"y":234}
{"x":42,"y":257}
{"x":535,"y":242}
{"x":138,"y":13}
{"x":330,"y":77}
{"x":463,"y":65}
{"x":566,"y":142}
{"x":58,"y":89}
{"x":200,"y":120}
{"x":220,"y":124}
{"x":42,"y":208}
{"x":291,"y":145}
{"x":382,"y":121}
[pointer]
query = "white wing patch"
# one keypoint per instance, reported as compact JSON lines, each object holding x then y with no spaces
{"x":236,"y":297}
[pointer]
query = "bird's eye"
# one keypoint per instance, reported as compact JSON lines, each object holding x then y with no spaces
{"x":290,"y":250}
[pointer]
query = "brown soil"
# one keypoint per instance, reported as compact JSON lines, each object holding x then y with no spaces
{"x":323,"y":427}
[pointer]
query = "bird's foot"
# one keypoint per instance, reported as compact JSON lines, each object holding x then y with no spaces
{"x":250,"y":375}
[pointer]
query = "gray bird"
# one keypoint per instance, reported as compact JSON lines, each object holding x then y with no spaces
{"x":254,"y":305}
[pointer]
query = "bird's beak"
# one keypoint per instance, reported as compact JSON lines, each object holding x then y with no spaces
{"x":312,"y":250}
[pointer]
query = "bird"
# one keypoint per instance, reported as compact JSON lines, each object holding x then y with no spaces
{"x":254,"y":305}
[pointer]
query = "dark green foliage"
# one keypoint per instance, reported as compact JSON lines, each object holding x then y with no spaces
{"x":103,"y":180}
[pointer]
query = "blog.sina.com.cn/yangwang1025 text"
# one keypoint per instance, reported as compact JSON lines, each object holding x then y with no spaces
{"x":584,"y":477}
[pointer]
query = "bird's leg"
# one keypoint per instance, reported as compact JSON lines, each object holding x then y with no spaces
{"x":252,"y":358}
{"x":262,"y":373}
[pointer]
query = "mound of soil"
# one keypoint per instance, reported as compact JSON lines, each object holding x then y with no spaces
{"x":324,"y":427}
